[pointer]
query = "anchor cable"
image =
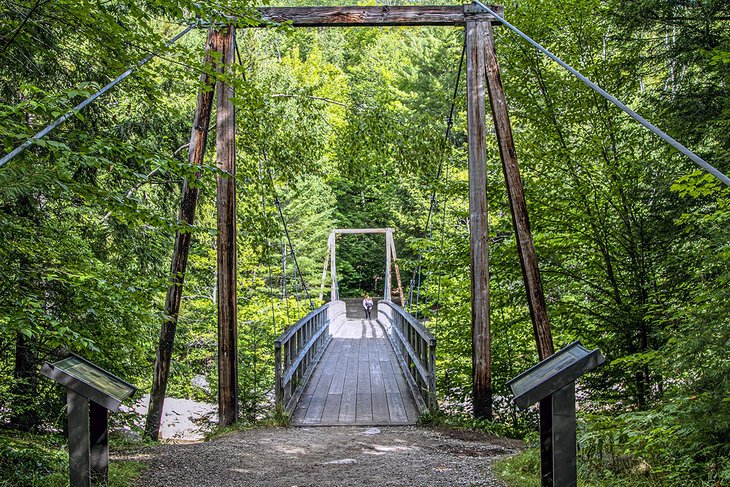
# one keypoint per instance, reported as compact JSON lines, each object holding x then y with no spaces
{"x":671,"y":141}
{"x":11,"y":155}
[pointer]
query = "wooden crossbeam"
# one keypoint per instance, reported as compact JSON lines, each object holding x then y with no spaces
{"x":454,"y":15}
{"x":358,"y":230}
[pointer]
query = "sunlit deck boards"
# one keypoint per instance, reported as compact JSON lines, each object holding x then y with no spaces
{"x":357,"y":381}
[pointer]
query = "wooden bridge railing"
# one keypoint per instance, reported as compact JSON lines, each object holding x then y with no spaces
{"x":415,"y":348}
{"x":299,"y":349}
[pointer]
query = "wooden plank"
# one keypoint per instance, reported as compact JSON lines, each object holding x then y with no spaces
{"x":315,"y":409}
{"x":517,"y":202}
{"x":178,"y":266}
{"x":403,"y":388}
{"x":389,"y":377}
{"x":380,"y":412}
{"x":373,"y":16}
{"x":411,"y":408}
{"x":321,"y":375}
{"x":226,"y":240}
{"x":479,"y":240}
{"x":348,"y":403}
{"x":321,"y":378}
{"x":396,"y":408}
{"x":300,"y":411}
{"x":384,"y":350}
{"x":331,"y":412}
{"x":348,"y":406}
{"x":363,"y":369}
{"x":373,"y":347}
{"x":377,"y":384}
{"x":364,"y":408}
{"x":338,"y":379}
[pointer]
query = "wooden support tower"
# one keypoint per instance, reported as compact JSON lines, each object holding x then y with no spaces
{"x":390,"y":261}
{"x":476,"y":33}
{"x":226,"y":242}
{"x":390,"y":248}
{"x":482,"y":72}
{"x":518,"y":205}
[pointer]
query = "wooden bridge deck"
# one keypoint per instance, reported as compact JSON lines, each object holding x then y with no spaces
{"x":357,"y":381}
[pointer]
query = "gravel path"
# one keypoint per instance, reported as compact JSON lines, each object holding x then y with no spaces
{"x":331,"y":456}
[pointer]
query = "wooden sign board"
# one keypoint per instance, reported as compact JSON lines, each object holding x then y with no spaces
{"x":91,"y":392}
{"x":89,"y":380}
{"x":552,"y":383}
{"x":554,"y":373}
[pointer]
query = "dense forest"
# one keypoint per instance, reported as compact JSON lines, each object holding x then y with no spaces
{"x":343,"y":128}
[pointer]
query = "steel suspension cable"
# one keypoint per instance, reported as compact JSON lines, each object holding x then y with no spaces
{"x":11,"y":155}
{"x":267,"y":252}
{"x":449,"y":126}
{"x":427,"y":229}
{"x":277,"y":202}
{"x":671,"y":141}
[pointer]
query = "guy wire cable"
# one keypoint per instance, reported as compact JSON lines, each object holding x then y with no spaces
{"x":681,"y":148}
{"x":11,"y":155}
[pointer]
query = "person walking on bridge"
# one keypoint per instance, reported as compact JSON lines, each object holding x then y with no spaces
{"x":367,"y":305}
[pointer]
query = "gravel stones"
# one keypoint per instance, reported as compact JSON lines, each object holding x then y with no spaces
{"x":331,"y":457}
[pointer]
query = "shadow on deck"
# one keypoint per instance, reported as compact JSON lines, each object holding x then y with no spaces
{"x":357,"y":381}
{"x":332,"y":369}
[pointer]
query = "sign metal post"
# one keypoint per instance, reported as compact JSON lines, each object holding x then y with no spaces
{"x":552,"y":384}
{"x":91,"y":392}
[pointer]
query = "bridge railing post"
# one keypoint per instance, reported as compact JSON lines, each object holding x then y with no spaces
{"x":432,"y":400}
{"x":278,"y":389}
{"x":298,"y":350}
{"x":415,"y":348}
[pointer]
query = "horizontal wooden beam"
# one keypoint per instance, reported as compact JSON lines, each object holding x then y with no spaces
{"x":360,"y":230}
{"x":453,"y":15}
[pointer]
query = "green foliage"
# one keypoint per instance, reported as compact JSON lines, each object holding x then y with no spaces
{"x":522,"y":469}
{"x":467,"y":422}
{"x":344,"y":128}
{"x":42,"y":461}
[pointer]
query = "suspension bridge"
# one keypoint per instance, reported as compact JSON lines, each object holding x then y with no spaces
{"x":335,"y":367}
{"x":331,"y":369}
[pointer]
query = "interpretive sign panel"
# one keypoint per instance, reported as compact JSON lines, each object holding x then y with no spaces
{"x":90,"y":381}
{"x":554,"y":373}
{"x":91,"y":392}
{"x":552,"y":383}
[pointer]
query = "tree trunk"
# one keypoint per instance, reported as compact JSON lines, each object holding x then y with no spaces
{"x":25,"y":376}
{"x":188,"y":203}
{"x":24,"y":415}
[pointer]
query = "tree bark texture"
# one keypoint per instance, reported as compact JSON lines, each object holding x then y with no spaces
{"x":186,"y":217}
{"x":226,"y":242}
{"x":517,"y":202}
{"x":476,"y":117}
